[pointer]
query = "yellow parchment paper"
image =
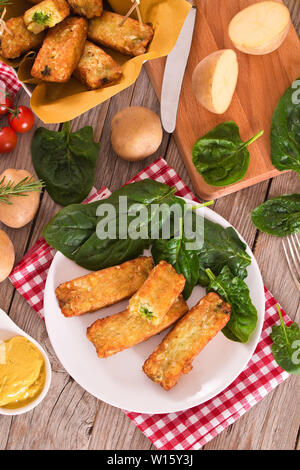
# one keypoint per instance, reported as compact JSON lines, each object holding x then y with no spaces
{"x":54,"y":103}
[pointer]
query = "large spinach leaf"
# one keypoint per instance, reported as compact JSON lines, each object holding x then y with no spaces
{"x":285,"y":132}
{"x":286,"y":345}
{"x":222,"y":247}
{"x":71,"y":227}
{"x":66,"y":162}
{"x":243,"y":318}
{"x":221,"y":157}
{"x":280,"y":216}
{"x":73,"y":230}
{"x":96,"y":253}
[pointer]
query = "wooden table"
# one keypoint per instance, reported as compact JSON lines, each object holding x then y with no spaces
{"x":69,"y":417}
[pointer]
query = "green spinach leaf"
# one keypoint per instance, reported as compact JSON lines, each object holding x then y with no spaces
{"x":286,"y":345}
{"x":222,"y":247}
{"x":66,"y":162}
{"x":73,"y":231}
{"x":71,"y":227}
{"x":96,"y":253}
{"x":243,"y":318}
{"x":221,"y":157}
{"x":280,"y":216}
{"x":285,"y":132}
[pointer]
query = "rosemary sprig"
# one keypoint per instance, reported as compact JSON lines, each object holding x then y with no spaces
{"x":26,"y":185}
{"x":3,"y":3}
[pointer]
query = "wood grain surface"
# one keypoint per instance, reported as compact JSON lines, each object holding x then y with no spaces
{"x":70,"y":418}
{"x":262,"y":80}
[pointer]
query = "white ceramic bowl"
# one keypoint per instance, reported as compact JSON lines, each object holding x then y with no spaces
{"x":8,"y":329}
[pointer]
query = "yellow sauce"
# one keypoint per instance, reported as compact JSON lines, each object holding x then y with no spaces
{"x":22,"y":372}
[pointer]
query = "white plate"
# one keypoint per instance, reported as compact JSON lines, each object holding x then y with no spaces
{"x":119,"y":379}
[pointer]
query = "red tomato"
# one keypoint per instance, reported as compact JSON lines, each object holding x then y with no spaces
{"x":8,"y":139}
{"x":21,"y":120}
{"x":5,"y":102}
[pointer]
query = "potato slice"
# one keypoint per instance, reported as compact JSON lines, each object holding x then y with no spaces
{"x":214,"y":80}
{"x":260,"y":28}
{"x":7,"y":255}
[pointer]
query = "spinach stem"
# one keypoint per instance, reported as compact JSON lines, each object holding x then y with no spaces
{"x":180,"y":230}
{"x":250,"y":141}
{"x":213,"y":278}
{"x":67,"y":127}
{"x":282,"y":324}
{"x":204,"y":204}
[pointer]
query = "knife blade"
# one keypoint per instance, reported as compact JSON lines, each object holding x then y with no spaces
{"x":174,"y":73}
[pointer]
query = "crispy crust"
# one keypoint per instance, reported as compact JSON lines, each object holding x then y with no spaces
{"x":113,"y":334}
{"x":61,"y":51}
{"x":131,"y":38}
{"x":156,"y":296}
{"x":96,"y":68}
{"x":175,"y":354}
{"x":102,"y":288}
{"x":88,"y":8}
{"x":20,"y":41}
{"x":55,"y":11}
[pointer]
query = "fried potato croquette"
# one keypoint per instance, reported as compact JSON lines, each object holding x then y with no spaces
{"x":96,"y":68}
{"x":156,"y":296}
{"x":113,"y":334}
{"x":102,"y":288}
{"x":17,"y":40}
{"x":190,"y":335}
{"x":88,"y":8}
{"x":46,"y":14}
{"x":131,"y":38}
{"x":61,"y":51}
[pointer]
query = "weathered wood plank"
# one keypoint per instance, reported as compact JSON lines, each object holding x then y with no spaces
{"x":19,"y":158}
{"x":113,"y":430}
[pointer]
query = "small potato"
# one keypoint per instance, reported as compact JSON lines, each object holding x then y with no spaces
{"x":260,"y":28}
{"x":136,"y":133}
{"x":214,"y":80}
{"x":22,"y":208}
{"x":7,"y":256}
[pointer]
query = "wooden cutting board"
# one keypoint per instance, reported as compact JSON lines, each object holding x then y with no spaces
{"x":262,"y":81}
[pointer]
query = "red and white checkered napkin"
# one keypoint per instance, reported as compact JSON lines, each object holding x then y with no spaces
{"x":8,"y":79}
{"x":195,"y":427}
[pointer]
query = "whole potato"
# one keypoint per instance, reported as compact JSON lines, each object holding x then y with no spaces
{"x":22,"y":208}
{"x":136,"y":133}
{"x":7,"y":256}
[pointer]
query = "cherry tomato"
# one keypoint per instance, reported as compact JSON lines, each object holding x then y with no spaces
{"x":5,"y":102}
{"x":8,"y":139}
{"x":21,"y":120}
